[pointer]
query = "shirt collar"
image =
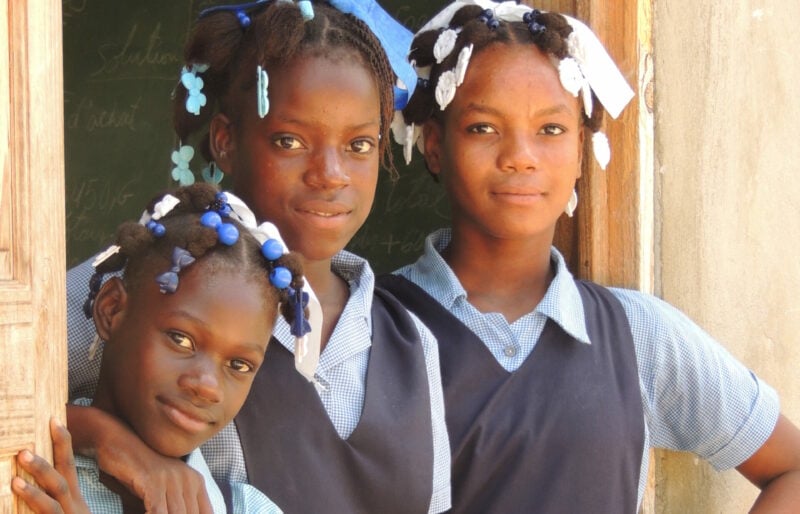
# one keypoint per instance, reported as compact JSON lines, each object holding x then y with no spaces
{"x":358,"y":311}
{"x":562,"y":302}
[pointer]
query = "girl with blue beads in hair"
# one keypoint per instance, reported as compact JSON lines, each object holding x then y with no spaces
{"x":293,"y":102}
{"x":185,"y":327}
{"x":555,"y":388}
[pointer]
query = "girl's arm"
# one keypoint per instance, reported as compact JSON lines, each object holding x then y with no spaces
{"x":775,"y":469}
{"x":164,"y":484}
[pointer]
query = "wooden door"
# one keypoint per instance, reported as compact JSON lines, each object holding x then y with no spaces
{"x":32,"y":259}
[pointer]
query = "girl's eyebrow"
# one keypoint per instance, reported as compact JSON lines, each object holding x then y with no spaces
{"x":203,"y":325}
{"x":548,"y":111}
{"x":303,"y":123}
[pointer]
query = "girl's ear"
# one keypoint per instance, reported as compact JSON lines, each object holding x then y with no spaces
{"x":432,"y":139}
{"x":109,"y":307}
{"x":221,"y":142}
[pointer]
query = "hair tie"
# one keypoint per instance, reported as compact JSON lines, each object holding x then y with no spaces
{"x":238,"y":10}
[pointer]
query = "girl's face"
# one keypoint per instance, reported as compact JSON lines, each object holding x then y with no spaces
{"x":178,"y":367}
{"x":508,"y":148}
{"x":311,"y":165}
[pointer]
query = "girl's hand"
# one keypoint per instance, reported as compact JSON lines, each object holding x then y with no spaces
{"x":164,"y":484}
{"x":59,"y":491}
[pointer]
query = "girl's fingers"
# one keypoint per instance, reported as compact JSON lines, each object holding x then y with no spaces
{"x":35,"y":498}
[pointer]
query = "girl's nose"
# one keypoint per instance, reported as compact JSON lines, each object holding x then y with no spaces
{"x":326,"y":170}
{"x":519,"y":153}
{"x":202,"y":381}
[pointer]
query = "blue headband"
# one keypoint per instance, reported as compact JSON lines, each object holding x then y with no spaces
{"x":394,"y":37}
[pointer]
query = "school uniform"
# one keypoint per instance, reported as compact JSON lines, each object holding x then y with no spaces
{"x":339,"y":404}
{"x":556,"y":383}
{"x":243,"y":498}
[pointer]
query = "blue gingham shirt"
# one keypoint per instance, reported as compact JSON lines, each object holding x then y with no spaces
{"x":246,"y":499}
{"x":342,"y":371}
{"x":696,"y":396}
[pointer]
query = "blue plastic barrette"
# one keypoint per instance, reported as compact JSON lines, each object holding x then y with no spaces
{"x":298,"y":299}
{"x":168,"y":281}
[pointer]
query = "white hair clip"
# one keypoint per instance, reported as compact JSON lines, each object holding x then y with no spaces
{"x":105,"y":255}
{"x":570,"y":75}
{"x":444,"y":44}
{"x":463,"y":61}
{"x":445,"y":88}
{"x":601,"y":150}
{"x":262,"y":91}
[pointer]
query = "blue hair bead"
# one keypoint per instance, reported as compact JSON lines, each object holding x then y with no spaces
{"x":244,"y":19}
{"x":493,"y":23}
{"x":157,"y":229}
{"x":272,"y":249}
{"x":210,"y":219}
{"x":536,"y":28}
{"x":527,"y":17}
{"x":227,"y":234}
{"x":280,"y":277}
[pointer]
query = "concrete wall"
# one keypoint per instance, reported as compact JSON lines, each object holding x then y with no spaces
{"x":727,"y":147}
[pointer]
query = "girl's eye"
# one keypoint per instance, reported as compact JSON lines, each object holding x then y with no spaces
{"x":287,"y":142}
{"x":362,"y":146}
{"x":552,"y":130}
{"x":241,"y":366}
{"x":181,"y":340}
{"x":481,"y":128}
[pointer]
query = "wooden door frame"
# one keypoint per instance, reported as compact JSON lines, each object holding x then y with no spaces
{"x":32,"y":233}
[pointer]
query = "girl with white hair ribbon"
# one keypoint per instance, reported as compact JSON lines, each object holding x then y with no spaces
{"x":555,"y":389}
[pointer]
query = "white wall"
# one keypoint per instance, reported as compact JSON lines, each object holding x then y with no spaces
{"x":727,"y":145}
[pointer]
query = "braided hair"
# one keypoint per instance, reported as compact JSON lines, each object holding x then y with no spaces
{"x":547,"y":30}
{"x":276,"y":34}
{"x":143,"y":255}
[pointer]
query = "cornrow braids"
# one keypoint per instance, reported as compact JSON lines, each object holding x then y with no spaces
{"x":276,"y":34}
{"x":479,"y":30}
{"x":142,"y":254}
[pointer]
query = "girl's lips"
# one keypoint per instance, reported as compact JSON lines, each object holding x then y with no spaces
{"x":325,"y":215}
{"x":184,"y":419}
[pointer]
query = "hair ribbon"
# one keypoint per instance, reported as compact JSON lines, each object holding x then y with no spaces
{"x":394,"y":37}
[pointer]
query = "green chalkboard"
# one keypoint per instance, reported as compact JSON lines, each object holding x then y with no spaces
{"x":121,"y":62}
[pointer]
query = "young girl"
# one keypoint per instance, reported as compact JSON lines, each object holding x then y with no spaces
{"x":298,"y":99}
{"x":555,"y":389}
{"x":185,"y":327}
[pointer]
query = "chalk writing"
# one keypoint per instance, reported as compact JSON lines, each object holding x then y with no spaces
{"x":70,"y":8}
{"x":86,"y":116}
{"x":103,"y":195}
{"x":131,"y":55}
{"x":419,"y":192}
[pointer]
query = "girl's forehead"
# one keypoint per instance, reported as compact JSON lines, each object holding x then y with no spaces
{"x":508,"y":70}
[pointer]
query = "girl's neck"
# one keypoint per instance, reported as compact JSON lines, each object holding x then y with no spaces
{"x":508,"y":276}
{"x":332,"y":292}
